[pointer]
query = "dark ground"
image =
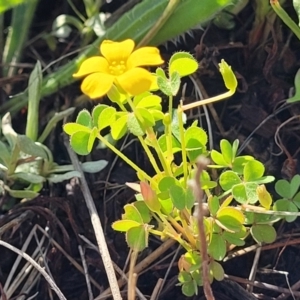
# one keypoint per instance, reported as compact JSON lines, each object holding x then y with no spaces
{"x":265,"y":58}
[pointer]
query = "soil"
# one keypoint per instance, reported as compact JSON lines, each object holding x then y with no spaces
{"x":265,"y":57}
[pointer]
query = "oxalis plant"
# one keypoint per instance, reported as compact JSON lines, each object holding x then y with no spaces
{"x":232,"y":205}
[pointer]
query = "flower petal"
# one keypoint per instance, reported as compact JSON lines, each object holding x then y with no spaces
{"x":145,"y":56}
{"x":116,"y":51}
{"x":93,"y":64}
{"x":135,"y":81}
{"x":97,"y":84}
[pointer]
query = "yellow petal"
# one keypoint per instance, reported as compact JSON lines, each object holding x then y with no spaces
{"x":135,"y":81}
{"x":97,"y":84}
{"x":91,"y":65}
{"x":145,"y":56}
{"x":116,"y":51}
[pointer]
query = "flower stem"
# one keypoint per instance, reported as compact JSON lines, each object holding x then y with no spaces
{"x":125,"y":158}
{"x":207,"y":101}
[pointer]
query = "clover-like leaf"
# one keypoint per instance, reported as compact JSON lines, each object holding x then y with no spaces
{"x":124,"y":225}
{"x":106,"y":117}
{"x":183,"y":63}
{"x":217,"y":247}
{"x":253,"y":170}
{"x":178,"y":196}
{"x":84,"y":118}
{"x":228,"y":179}
{"x":137,"y":238}
{"x":230,"y":219}
{"x":132,"y":213}
{"x":79,"y":142}
{"x":119,"y":127}
{"x":217,"y":270}
{"x":263,"y":233}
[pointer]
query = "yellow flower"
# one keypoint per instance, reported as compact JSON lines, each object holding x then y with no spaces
{"x":118,"y":65}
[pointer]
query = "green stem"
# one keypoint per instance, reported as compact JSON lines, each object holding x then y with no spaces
{"x":285,"y":17}
{"x":21,"y":21}
{"x":145,"y":146}
{"x":150,"y":155}
{"x":125,"y":158}
{"x":182,"y":140}
{"x":153,"y":140}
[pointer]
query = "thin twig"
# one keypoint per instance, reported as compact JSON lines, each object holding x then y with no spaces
{"x":202,"y":162}
{"x":95,"y":220}
{"x":37,"y":266}
{"x":86,"y":273}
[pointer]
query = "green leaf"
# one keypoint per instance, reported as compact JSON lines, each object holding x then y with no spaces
{"x":119,"y":127}
{"x":92,"y":138}
{"x":134,"y":126}
{"x":217,"y":270}
{"x":294,"y":185}
{"x":107,"y":116}
{"x":71,"y":128}
{"x":235,"y":146}
{"x":217,"y":247}
{"x":94,"y":166}
{"x":240,"y":162}
{"x":226,"y":150}
{"x":183,"y":63}
{"x":195,"y":142}
{"x":178,"y":196}
{"x":84,"y":118}
{"x":164,"y":85}
{"x":148,"y":120}
{"x":29,"y":177}
{"x":150,"y":101}
{"x":143,"y":210}
{"x":213,"y":205}
{"x":288,"y":206}
{"x":218,"y":158}
{"x":233,"y":239}
{"x":245,"y":192}
{"x":23,"y":194}
{"x":28,"y":146}
{"x":230,"y":218}
{"x":5,"y":154}
{"x":296,"y":200}
{"x":253,"y":170}
{"x":189,"y":198}
{"x":137,"y":238}
{"x":56,"y":178}
{"x":132,"y":213}
{"x":160,"y":73}
{"x":184,"y":276}
{"x":162,"y":141}
{"x":124,"y":225}
{"x":189,"y":289}
{"x":282,"y":188}
{"x":79,"y":142}
{"x":263,"y":233}
{"x":228,"y":179}
{"x":166,"y":182}
{"x":174,"y":83}
{"x":96,"y":113}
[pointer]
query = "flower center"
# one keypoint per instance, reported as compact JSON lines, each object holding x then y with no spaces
{"x":117,"y":68}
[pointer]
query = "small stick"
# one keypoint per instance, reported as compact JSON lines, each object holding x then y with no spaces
{"x":98,"y":229}
{"x":202,"y":162}
{"x":86,"y":273}
{"x":37,"y":266}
